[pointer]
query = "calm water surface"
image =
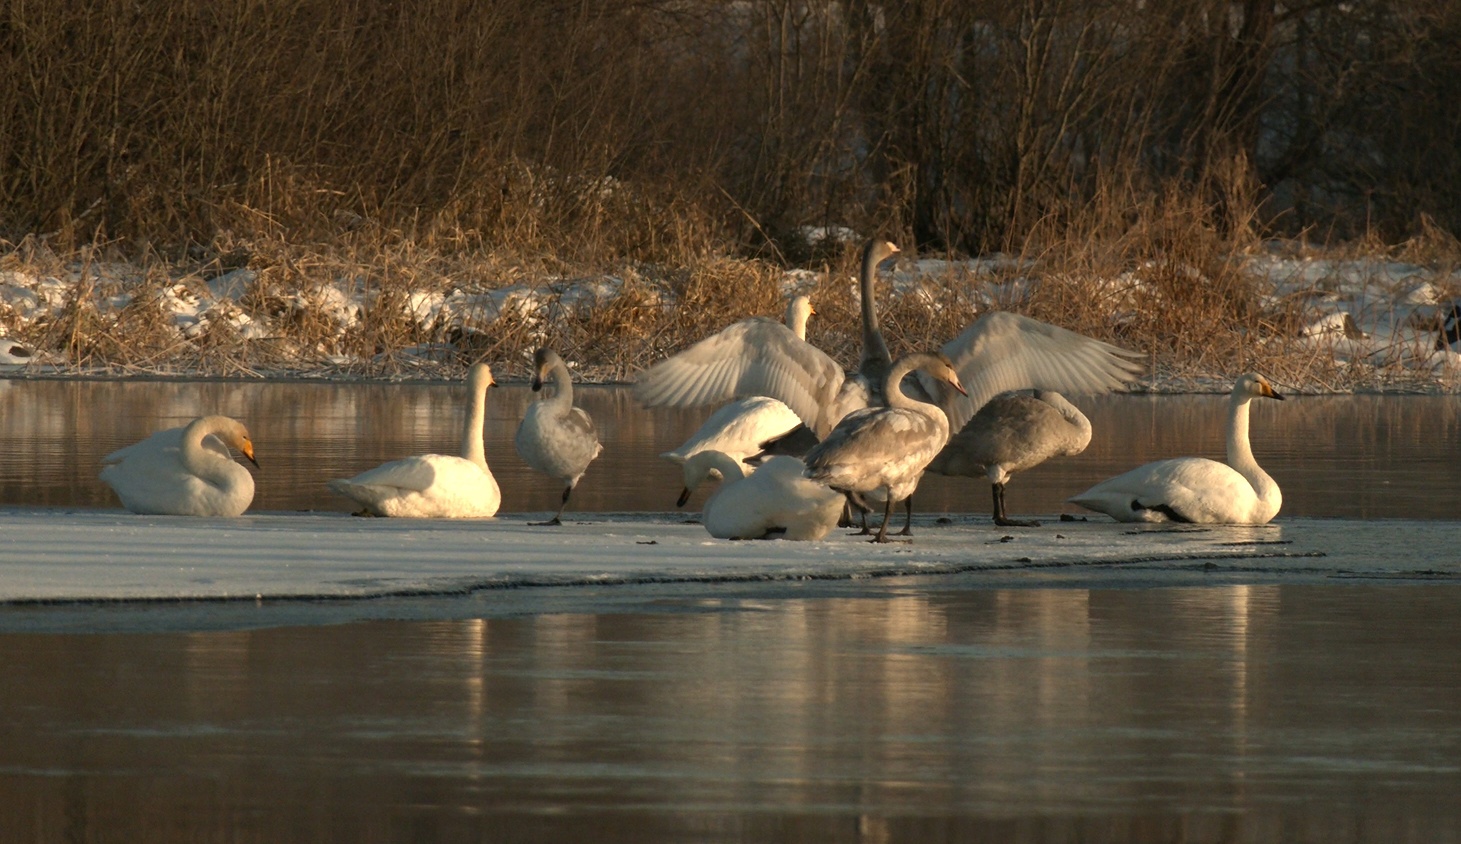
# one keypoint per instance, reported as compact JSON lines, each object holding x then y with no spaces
{"x":1341,"y":456}
{"x":928,"y":709}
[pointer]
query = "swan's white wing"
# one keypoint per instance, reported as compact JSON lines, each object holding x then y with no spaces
{"x":1001,"y":351}
{"x":415,"y":474}
{"x":753,"y":357}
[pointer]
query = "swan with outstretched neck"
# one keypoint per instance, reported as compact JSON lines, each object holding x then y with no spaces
{"x":1196,"y":489}
{"x":443,"y":486}
{"x":187,"y":471}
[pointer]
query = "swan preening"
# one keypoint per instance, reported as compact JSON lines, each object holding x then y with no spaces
{"x":435,"y":485}
{"x":1012,"y":433}
{"x":1196,"y":489}
{"x":555,"y":437}
{"x":775,"y":500}
{"x":185,"y":471}
{"x":885,"y":449}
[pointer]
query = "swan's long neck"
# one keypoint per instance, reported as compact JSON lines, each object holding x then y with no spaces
{"x":875,"y":356}
{"x":730,"y":469}
{"x":562,"y":399}
{"x":796,"y":319}
{"x":893,"y":385}
{"x":1240,"y":452}
{"x":472,"y":448}
{"x":199,"y":461}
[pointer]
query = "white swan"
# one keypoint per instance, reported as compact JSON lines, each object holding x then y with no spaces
{"x":997,"y":353}
{"x":1011,"y":433}
{"x":886,"y":448}
{"x":1195,"y":489}
{"x":185,"y":471}
{"x":555,"y":437}
{"x":435,"y":485}
{"x":743,"y":427}
{"x":776,"y":500}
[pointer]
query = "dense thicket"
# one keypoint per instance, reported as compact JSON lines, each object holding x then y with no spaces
{"x":596,"y":130}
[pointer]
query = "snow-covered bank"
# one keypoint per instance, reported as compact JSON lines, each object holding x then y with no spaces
{"x":1369,"y":322}
{"x":49,"y":556}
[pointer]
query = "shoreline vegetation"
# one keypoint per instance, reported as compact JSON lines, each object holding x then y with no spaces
{"x":334,"y":189}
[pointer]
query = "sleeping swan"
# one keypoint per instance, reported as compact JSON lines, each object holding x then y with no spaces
{"x":186,"y":471}
{"x":441,"y":486}
{"x":776,"y":500}
{"x":1195,"y":489}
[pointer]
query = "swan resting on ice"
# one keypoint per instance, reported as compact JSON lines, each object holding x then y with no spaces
{"x":774,"y":501}
{"x":1196,"y":489}
{"x":434,"y":485}
{"x":187,"y":471}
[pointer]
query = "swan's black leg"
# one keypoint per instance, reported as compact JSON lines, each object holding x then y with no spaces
{"x":999,"y":513}
{"x":907,"y":517}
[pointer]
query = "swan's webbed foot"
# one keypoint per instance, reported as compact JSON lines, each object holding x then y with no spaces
{"x":1005,"y":521}
{"x":553,"y":522}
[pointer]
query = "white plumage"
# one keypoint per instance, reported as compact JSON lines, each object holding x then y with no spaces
{"x":185,"y":471}
{"x":435,"y":485}
{"x":775,"y":500}
{"x":1196,"y":489}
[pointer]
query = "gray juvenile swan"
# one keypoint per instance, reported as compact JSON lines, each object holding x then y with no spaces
{"x":1196,"y":489}
{"x":886,"y":448}
{"x":1011,"y":433}
{"x":185,"y":471}
{"x":555,"y":437}
{"x":435,"y":485}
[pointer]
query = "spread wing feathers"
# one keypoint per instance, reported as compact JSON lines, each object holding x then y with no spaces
{"x":1001,"y":351}
{"x":753,"y":357}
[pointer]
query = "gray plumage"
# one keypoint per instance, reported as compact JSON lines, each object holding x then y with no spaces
{"x":555,"y":437}
{"x":886,"y":448}
{"x":1012,"y":433}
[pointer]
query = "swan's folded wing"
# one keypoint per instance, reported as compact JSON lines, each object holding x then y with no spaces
{"x":415,"y":474}
{"x":753,"y":357}
{"x":1001,"y":351}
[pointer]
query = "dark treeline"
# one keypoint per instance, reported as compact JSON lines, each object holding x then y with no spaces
{"x":600,"y":130}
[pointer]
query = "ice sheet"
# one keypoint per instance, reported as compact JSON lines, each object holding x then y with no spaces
{"x":66,"y":556}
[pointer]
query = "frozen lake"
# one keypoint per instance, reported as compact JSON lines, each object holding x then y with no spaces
{"x":626,"y":679}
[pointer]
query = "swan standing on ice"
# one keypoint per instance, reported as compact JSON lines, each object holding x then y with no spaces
{"x":1195,"y":489}
{"x":776,"y":500}
{"x":555,"y":437}
{"x":1012,"y":433}
{"x":886,"y":448}
{"x":185,"y":471}
{"x":742,"y":427}
{"x":435,"y":485}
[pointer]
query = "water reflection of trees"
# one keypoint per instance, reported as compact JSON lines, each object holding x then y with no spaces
{"x":1351,"y":456}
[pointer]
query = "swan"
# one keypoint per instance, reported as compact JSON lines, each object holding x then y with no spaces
{"x":997,"y":353}
{"x":1195,"y":489}
{"x":435,"y":485}
{"x":185,"y":471}
{"x":886,"y":448}
{"x":555,"y":437}
{"x":774,"y":500}
{"x":1011,"y":433}
{"x":742,"y":427}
